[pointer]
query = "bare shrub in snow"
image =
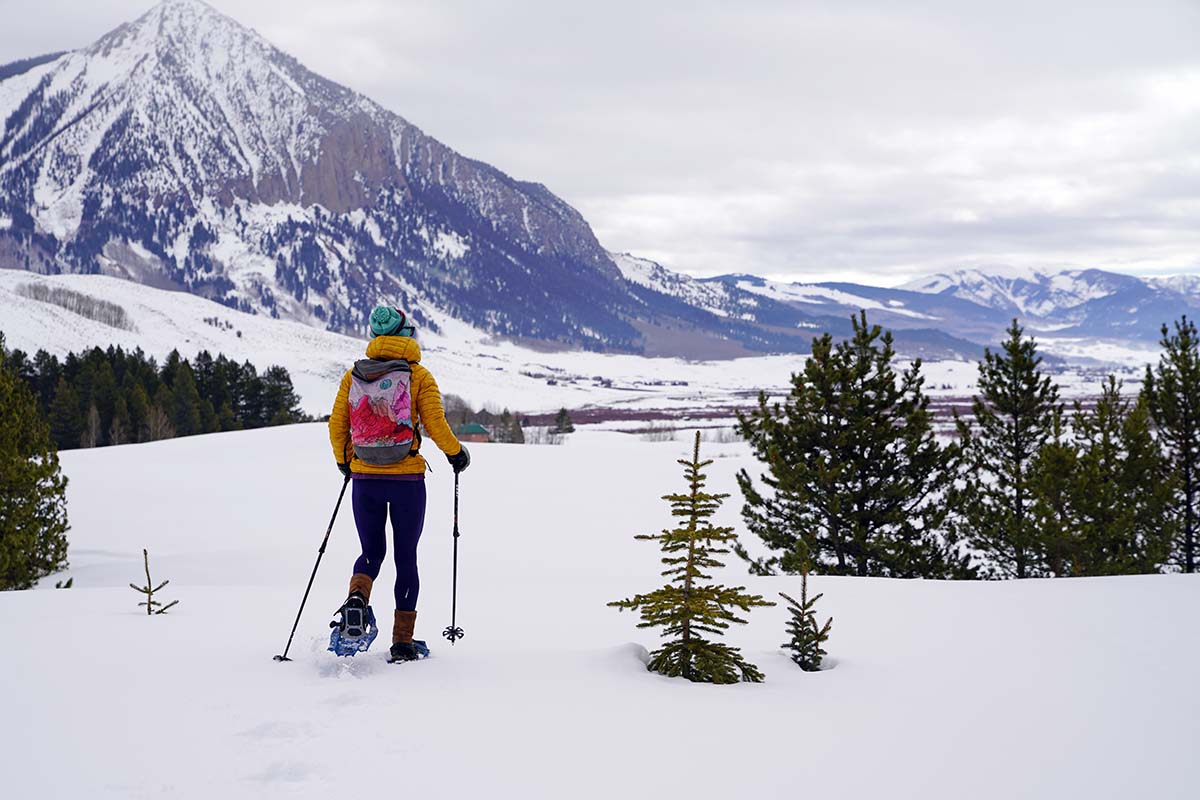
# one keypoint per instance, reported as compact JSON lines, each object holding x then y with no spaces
{"x":722,"y":435}
{"x":543,"y":435}
{"x":657,"y":432}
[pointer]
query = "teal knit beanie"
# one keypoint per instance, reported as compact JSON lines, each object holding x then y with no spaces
{"x":388,"y":321}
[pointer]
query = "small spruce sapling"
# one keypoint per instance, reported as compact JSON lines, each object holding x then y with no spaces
{"x":152,"y":605}
{"x":807,"y":635}
{"x":690,"y":605}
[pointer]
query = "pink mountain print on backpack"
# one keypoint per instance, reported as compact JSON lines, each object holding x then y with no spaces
{"x":381,"y":411}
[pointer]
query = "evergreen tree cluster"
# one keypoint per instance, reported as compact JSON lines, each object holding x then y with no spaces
{"x":856,"y":481}
{"x":104,"y":397}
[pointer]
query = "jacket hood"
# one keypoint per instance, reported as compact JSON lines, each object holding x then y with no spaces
{"x":391,"y":348}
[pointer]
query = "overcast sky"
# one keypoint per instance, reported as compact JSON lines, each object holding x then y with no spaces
{"x":855,"y":140}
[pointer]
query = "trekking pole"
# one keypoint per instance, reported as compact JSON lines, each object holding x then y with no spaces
{"x":308,"y":588}
{"x":454,"y":633}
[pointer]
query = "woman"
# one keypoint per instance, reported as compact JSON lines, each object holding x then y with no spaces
{"x":375,"y":431}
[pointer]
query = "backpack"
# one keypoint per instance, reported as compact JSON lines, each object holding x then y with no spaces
{"x":382,"y":427}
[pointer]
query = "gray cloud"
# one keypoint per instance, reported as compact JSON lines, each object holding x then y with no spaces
{"x":852,"y":140}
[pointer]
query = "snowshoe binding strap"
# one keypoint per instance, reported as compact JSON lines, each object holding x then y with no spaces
{"x":355,"y":628}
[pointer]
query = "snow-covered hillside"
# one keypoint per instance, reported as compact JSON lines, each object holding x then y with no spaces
{"x":1031,"y":689}
{"x":823,"y":294}
{"x":467,"y":362}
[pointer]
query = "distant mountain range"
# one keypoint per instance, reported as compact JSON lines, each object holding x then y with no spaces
{"x":183,"y":151}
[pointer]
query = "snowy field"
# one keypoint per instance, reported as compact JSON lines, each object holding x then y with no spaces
{"x":466,"y":361}
{"x":1078,"y":688}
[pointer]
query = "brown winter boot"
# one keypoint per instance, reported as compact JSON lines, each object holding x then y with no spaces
{"x":403,"y":648}
{"x":362,"y":584}
{"x":402,"y":628}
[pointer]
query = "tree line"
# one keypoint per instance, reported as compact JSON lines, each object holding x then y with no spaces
{"x":856,"y":482}
{"x":107,"y":397}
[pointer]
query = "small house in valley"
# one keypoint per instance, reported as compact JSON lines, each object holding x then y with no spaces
{"x":472,"y":432}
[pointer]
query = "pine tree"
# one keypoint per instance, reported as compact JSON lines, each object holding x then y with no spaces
{"x":1122,"y":490}
{"x":856,"y":477}
{"x":184,"y":407}
{"x":1052,"y":472}
{"x":139,"y":413}
{"x":690,"y":605}
{"x":562,"y":422}
{"x":66,"y":424}
{"x":1015,"y":414}
{"x":806,"y":634}
{"x":279,"y":396}
{"x":48,"y":370}
{"x":33,"y":514}
{"x":1172,"y":392}
{"x":226,"y":420}
{"x":208,"y":417}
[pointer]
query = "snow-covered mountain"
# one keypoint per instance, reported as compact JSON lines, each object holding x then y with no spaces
{"x":182,"y":150}
{"x":901,"y":311}
{"x":1069,"y":310}
{"x":741,"y":300}
{"x":1074,"y":302}
{"x":1035,"y":293}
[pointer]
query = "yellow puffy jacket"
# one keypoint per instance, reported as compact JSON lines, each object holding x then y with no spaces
{"x":427,"y":410}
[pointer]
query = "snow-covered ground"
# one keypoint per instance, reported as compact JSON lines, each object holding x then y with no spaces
{"x":465,"y":361}
{"x":1031,"y":689}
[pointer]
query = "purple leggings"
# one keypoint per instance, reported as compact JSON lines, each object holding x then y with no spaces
{"x":371,"y":499}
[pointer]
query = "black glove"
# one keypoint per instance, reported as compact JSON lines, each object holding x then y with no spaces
{"x":460,"y":460}
{"x":344,"y":469}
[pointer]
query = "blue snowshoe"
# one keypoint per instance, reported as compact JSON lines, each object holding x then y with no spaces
{"x":354,"y":631}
